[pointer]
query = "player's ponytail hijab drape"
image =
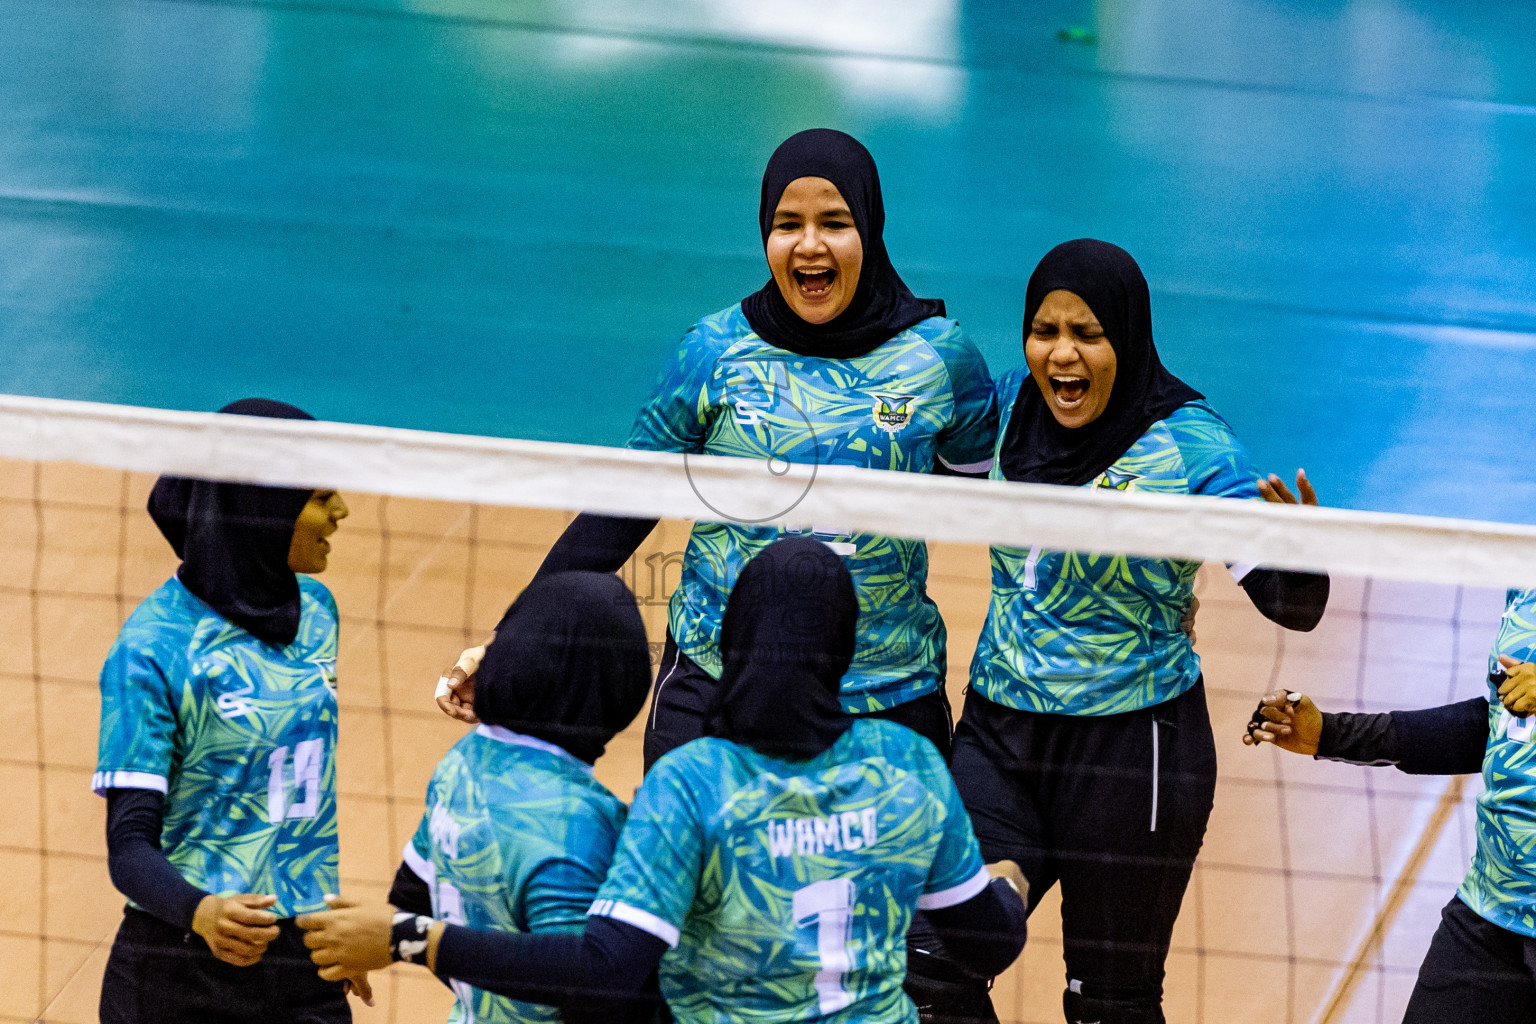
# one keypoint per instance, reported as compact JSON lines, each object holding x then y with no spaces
{"x":233,"y":540}
{"x":570,"y":664}
{"x":1037,"y":449}
{"x":882,"y":306}
{"x":786,"y":639}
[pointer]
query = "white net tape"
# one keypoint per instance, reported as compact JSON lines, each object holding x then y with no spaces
{"x":535,"y":474}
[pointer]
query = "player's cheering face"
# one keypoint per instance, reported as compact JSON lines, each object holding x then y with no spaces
{"x":814,"y":250}
{"x":1071,"y":359}
{"x":321,"y":517}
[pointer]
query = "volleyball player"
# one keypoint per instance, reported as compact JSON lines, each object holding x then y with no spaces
{"x":1481,"y":964}
{"x":517,"y":834}
{"x":833,"y":361}
{"x":217,"y":759}
{"x":1085,"y":750}
{"x":771,"y":868}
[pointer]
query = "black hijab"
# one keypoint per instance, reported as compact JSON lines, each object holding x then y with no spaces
{"x":1036,"y":448}
{"x":569,"y":665}
{"x":787,"y":638}
{"x":233,"y":540}
{"x":882,"y":304}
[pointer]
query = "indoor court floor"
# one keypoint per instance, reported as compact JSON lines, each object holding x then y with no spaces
{"x":495,"y":217}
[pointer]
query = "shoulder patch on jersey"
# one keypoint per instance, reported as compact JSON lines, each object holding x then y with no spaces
{"x":893,"y":412}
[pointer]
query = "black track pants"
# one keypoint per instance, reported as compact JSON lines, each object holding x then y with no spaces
{"x":684,"y":692}
{"x":1474,"y":971}
{"x":160,"y":974}
{"x":1113,"y":808}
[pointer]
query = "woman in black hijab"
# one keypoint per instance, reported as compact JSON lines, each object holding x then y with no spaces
{"x":833,"y":361}
{"x":217,"y":758}
{"x":1085,"y":750}
{"x":762,"y":854}
{"x":516,"y":828}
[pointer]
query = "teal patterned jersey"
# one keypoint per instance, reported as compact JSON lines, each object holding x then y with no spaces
{"x":517,"y":837}
{"x":239,"y":734}
{"x":923,"y":395}
{"x":1501,"y":885}
{"x":785,"y":888}
{"x":1078,"y":633}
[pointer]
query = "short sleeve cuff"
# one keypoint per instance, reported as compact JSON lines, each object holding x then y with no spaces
{"x":642,"y":919}
{"x":103,"y":781}
{"x":419,"y":864}
{"x":955,"y":894}
{"x":984,"y":466}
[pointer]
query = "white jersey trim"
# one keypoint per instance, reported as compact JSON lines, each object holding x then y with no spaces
{"x":419,"y":864}
{"x":501,"y":734}
{"x":984,"y":466}
{"x":1241,"y":569}
{"x":642,"y":919}
{"x":955,"y":894}
{"x":103,"y":781}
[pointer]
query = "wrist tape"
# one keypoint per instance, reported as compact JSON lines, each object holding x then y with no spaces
{"x":408,"y":937}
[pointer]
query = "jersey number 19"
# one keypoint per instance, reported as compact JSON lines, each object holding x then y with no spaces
{"x":308,"y":760}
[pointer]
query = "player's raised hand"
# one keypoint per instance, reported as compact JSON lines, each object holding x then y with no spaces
{"x":456,"y":687}
{"x":236,"y":928}
{"x":1518,"y":691}
{"x":1273,"y":489}
{"x":1287,"y":719}
{"x":348,"y":939}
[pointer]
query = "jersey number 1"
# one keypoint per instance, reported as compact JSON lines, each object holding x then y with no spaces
{"x":308,"y":760}
{"x":829,"y":905}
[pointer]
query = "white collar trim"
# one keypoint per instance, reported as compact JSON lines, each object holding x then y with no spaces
{"x":501,"y":734}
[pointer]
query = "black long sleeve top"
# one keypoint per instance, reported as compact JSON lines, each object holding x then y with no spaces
{"x":604,"y":969}
{"x":1447,"y":740}
{"x":139,"y":867}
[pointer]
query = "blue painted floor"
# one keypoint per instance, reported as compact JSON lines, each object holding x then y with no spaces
{"x":495,"y":216}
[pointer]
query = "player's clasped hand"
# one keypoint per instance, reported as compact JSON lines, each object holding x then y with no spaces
{"x":349,"y":939}
{"x":236,"y":928}
{"x":1010,"y":872}
{"x":456,"y":687}
{"x":1518,"y":690}
{"x":1287,"y":719}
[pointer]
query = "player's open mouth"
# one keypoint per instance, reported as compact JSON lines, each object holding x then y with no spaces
{"x":815,"y":283}
{"x":1069,"y":391}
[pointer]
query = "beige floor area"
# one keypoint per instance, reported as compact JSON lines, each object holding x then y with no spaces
{"x":1302,"y":861}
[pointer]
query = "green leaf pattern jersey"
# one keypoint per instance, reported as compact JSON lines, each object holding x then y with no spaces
{"x":517,"y":837}
{"x":1077,"y":633}
{"x":241,"y":737}
{"x":785,"y":888}
{"x":1501,"y":884}
{"x":923,"y":395}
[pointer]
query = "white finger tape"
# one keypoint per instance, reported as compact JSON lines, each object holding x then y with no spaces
{"x":442,"y":688}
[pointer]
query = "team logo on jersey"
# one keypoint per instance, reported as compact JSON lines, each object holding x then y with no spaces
{"x":893,"y":412}
{"x":1113,"y":479}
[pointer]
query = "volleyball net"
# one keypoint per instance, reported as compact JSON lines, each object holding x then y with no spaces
{"x":1314,"y":897}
